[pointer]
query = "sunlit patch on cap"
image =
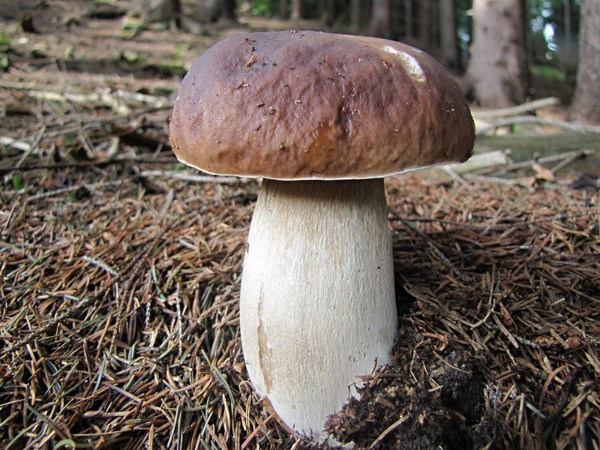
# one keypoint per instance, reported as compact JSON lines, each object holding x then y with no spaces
{"x":410,"y":64}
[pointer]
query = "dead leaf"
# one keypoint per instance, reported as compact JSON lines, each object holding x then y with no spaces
{"x":541,"y":173}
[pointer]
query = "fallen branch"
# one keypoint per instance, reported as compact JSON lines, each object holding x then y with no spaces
{"x":188,"y":177}
{"x":72,"y":189}
{"x":480,"y":161}
{"x":515,"y":110}
{"x":93,"y":163}
{"x":118,"y":100}
{"x":564,"y":160}
{"x":517,"y":120}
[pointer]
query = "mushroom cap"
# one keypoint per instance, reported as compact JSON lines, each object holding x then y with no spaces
{"x":313,"y":105}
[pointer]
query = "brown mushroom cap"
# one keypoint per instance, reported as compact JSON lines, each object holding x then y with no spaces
{"x":302,"y":105}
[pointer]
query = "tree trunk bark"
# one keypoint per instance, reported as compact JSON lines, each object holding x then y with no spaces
{"x":448,"y":40}
{"x":333,"y":11}
{"x":296,"y":9}
{"x":228,"y":10}
{"x":381,"y":25}
{"x":355,"y":22}
{"x":283,"y":9}
{"x":498,"y":69}
{"x":160,"y":10}
{"x":585,"y":107}
{"x":408,"y":20}
{"x":425,"y":25}
{"x":207,"y":11}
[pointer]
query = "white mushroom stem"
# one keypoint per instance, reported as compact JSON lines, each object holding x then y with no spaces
{"x":317,"y":307}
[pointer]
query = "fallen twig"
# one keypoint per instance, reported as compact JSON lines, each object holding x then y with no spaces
{"x":515,"y":110}
{"x":188,"y":177}
{"x":480,"y":161}
{"x":516,"y":120}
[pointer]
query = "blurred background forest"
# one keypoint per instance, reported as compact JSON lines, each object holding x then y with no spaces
{"x":504,"y":52}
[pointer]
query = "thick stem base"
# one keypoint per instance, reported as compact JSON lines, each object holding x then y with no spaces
{"x":317,"y":304}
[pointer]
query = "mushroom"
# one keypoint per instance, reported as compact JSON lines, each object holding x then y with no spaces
{"x":322,"y":118}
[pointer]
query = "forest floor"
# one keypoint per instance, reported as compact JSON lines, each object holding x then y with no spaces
{"x":120,"y":268}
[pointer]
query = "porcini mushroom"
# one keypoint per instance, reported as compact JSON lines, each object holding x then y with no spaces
{"x":322,"y":118}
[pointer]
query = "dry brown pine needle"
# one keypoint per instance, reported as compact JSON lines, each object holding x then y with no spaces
{"x":120,"y":319}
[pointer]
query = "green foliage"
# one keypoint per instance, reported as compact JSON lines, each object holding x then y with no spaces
{"x":265,"y":8}
{"x":542,"y":12}
{"x":268,"y":8}
{"x":464,"y":26}
{"x":548,"y":72}
{"x":5,"y":39}
{"x":180,"y":49}
{"x":131,"y":27}
{"x":130,"y":57}
{"x":552,"y":15}
{"x":176,"y":68}
{"x":37,"y":53}
{"x":6,"y":42}
{"x":18,"y":182}
{"x":312,"y":9}
{"x":4,"y":62}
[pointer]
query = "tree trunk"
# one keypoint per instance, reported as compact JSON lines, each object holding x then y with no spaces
{"x":381,"y":25}
{"x":296,"y":9}
{"x":207,"y":11}
{"x":426,"y":28}
{"x":585,"y":107}
{"x":568,"y":56}
{"x":160,"y":10}
{"x":283,"y":9}
{"x":228,"y":10}
{"x":409,"y":32}
{"x":355,"y":22}
{"x":332,"y":11}
{"x":448,"y":40}
{"x":568,"y":27}
{"x":498,"y":67}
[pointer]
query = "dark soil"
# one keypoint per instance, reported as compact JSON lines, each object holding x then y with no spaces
{"x":452,"y":416}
